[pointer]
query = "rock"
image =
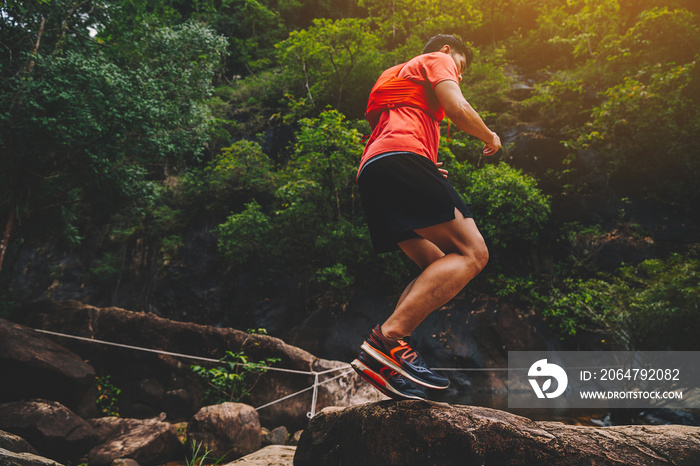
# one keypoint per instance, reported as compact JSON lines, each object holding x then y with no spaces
{"x":429,"y":433}
{"x":521,"y":91}
{"x":171,"y":385}
{"x":41,"y":368}
{"x":147,"y":442}
{"x":15,"y":443}
{"x":277,"y":436}
{"x":228,"y":430}
{"x":272,"y":455}
{"x":15,"y":451}
{"x":125,"y":462}
{"x":9,"y":458}
{"x":294,"y":440}
{"x":54,"y":430}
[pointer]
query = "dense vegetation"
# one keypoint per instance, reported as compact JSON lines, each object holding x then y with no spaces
{"x":127,"y":128}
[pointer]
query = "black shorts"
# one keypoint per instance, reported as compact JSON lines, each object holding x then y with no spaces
{"x":401,"y":192}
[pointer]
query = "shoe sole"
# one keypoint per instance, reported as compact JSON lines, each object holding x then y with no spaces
{"x":384,"y":359}
{"x":379,"y":382}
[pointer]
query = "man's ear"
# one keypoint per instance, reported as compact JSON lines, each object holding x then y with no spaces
{"x":445,"y":49}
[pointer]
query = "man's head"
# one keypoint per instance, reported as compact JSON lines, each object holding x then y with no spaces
{"x":452,"y":45}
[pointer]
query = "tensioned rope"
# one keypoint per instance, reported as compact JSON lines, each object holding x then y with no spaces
{"x":315,"y":374}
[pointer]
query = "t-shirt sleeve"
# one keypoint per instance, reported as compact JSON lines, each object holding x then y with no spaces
{"x":432,"y":68}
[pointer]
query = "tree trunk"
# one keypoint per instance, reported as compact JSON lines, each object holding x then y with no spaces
{"x":9,"y":226}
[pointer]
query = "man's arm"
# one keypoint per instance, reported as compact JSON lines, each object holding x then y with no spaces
{"x":464,"y":116}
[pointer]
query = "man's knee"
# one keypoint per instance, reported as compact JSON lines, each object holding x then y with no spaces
{"x":481,"y":255}
{"x":477,"y":254}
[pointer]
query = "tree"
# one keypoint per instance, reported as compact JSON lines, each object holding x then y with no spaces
{"x":509,"y":206}
{"x":329,"y":56}
{"x":80,"y":124}
{"x":236,"y":176}
{"x":658,"y":36}
{"x":252,"y":28}
{"x":326,"y":153}
{"x":648,"y":131}
{"x":399,"y":20}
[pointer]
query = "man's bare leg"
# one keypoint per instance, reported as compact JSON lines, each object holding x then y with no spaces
{"x":423,"y":253}
{"x":451,"y":254}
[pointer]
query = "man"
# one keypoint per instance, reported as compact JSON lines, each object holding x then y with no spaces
{"x":411,"y":206}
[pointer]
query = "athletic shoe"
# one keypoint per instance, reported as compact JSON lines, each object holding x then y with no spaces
{"x":400,"y":356}
{"x":387,"y":380}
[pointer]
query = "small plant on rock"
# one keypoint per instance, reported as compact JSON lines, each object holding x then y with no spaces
{"x":234,"y":377}
{"x":107,"y":394}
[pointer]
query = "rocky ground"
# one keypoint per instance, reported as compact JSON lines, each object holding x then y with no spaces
{"x":49,"y":398}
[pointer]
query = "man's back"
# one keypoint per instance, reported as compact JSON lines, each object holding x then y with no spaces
{"x":410,"y":127}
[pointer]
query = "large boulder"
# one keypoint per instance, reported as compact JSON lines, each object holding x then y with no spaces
{"x":15,"y":451}
{"x":54,"y":430}
{"x":228,"y":430}
{"x":152,"y":383}
{"x":9,"y":458}
{"x":15,"y":443}
{"x":429,"y":433}
{"x":148,"y":442}
{"x":41,"y":368}
{"x":272,"y":455}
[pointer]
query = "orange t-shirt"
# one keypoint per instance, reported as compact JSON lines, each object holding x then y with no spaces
{"x":410,"y":129}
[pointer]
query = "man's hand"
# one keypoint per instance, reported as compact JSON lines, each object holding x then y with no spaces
{"x":493,"y":146}
{"x":442,"y":170}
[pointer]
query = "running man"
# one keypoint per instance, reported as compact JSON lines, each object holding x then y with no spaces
{"x":410,"y":205}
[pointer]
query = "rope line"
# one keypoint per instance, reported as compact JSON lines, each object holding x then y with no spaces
{"x":279,"y":369}
{"x":304,"y":390}
{"x":170,"y":353}
{"x":315,"y":374}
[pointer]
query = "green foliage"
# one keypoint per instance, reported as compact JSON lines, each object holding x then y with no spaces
{"x":507,"y":204}
{"x":328,"y":62}
{"x":335,"y":277}
{"x":234,"y":177}
{"x":326,"y":152}
{"x":485,"y":84}
{"x":107,"y":396}
{"x":199,"y":458}
{"x":234,"y":378}
{"x":80,"y":126}
{"x":8,"y":306}
{"x":106,"y":270}
{"x":583,"y":244}
{"x":660,"y":303}
{"x":321,"y":192}
{"x":562,"y":103}
{"x":249,"y":106}
{"x":578,"y":305}
{"x":507,"y":286}
{"x":398,"y":22}
{"x":660,"y":37}
{"x":156,"y":124}
{"x":253,"y":28}
{"x":650,"y":306}
{"x":246,"y":235}
{"x":648,"y":132}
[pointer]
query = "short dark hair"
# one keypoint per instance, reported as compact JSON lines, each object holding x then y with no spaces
{"x":437,"y":42}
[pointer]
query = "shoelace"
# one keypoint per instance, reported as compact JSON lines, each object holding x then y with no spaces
{"x":410,"y":355}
